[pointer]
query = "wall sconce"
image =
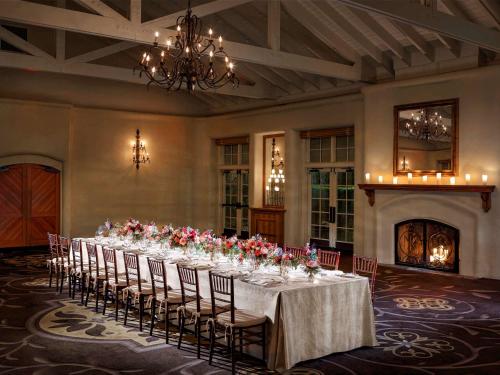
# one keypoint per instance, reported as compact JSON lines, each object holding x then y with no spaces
{"x":139,"y":153}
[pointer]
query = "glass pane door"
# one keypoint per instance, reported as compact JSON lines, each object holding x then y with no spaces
{"x":345,"y":208}
{"x":320,"y":205}
{"x":235,"y":203}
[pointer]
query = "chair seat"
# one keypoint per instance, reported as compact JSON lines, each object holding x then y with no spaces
{"x":172,"y":296}
{"x":146,"y":288}
{"x":242,"y":319}
{"x":206,"y":307}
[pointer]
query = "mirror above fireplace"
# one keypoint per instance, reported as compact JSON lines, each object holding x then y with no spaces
{"x":426,"y":138}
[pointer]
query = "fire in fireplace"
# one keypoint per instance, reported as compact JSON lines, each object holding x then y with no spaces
{"x":427,"y":243}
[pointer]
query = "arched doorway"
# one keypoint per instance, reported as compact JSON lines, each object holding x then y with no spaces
{"x":29,"y":204}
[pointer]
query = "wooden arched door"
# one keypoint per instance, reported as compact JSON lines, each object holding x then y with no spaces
{"x":29,"y":204}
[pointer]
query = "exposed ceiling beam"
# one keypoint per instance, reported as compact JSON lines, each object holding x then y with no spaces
{"x":101,"y":52}
{"x":52,"y":17}
{"x":493,"y":8}
{"x":421,"y":16}
{"x":384,"y":36}
{"x":60,"y":45}
{"x":313,"y":19}
{"x":135,"y":12}
{"x":200,"y":10}
{"x":101,"y":8}
{"x":22,"y":44}
{"x":21,"y":61}
{"x":273,"y":24}
{"x":290,"y":78}
{"x":454,"y":9}
{"x":269,"y":76}
{"x":451,"y":44}
{"x":416,"y":39}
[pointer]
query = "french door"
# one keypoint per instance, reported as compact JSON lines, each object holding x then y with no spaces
{"x":332,"y":207}
{"x":29,"y":204}
{"x":235,"y":203}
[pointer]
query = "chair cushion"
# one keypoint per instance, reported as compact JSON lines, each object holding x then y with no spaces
{"x":206,"y":307}
{"x":242,"y":318}
{"x":146,"y":288}
{"x":173,"y":296}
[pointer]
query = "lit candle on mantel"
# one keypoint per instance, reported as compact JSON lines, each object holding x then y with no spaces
{"x":484,"y":178}
{"x":380,"y":179}
{"x":395,"y":180}
{"x":410,"y":177}
{"x":438,"y":177}
{"x":467,"y":178}
{"x":424,"y":179}
{"x":452,"y":180}
{"x":367,"y":178}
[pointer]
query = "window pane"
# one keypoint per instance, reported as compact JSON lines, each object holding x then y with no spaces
{"x":349,"y":235}
{"x":325,"y":178}
{"x":315,"y":156}
{"x":350,"y":154}
{"x":341,"y":206}
{"x":315,"y":192}
{"x":324,"y":205}
{"x":325,"y":193}
{"x":315,"y":231}
{"x":350,"y":194}
{"x":315,"y":143}
{"x":350,"y":178}
{"x":324,"y":218}
{"x":341,"y":179}
{"x":325,"y":233}
{"x":326,"y":143}
{"x":350,"y":207}
{"x":315,"y":218}
{"x":341,"y":142}
{"x":341,"y":193}
{"x":244,"y":154}
{"x":325,"y":156}
{"x":341,"y":154}
{"x":350,"y":221}
{"x":315,"y":205}
{"x":340,"y":235}
{"x":341,"y":221}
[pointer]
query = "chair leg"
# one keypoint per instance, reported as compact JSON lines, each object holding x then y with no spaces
{"x":106,"y":292}
{"x":63,"y":275}
{"x":50,"y":275}
{"x":167,"y":321}
{"x":241,"y":339}
{"x":212,"y":343}
{"x":198,"y":336}
{"x":75,"y":278}
{"x":82,"y":287}
{"x":117,"y":301}
{"x":153,"y":312}
{"x":233,"y":363}
{"x":89,"y":286}
{"x":181,"y":331}
{"x":127,"y":304}
{"x":97,"y":284}
{"x":57,"y":277}
{"x":70,"y":277}
{"x":141,"y":311}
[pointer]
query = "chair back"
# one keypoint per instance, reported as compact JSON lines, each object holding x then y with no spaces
{"x":132,"y":269}
{"x":365,"y":266}
{"x":76,"y":254}
{"x":93,"y":259}
{"x":53,"y":246}
{"x":297,"y":252}
{"x":329,"y":258}
{"x":221,"y":289}
{"x":190,"y":285}
{"x":110,"y":268}
{"x":64,"y":245}
{"x":158,"y":275}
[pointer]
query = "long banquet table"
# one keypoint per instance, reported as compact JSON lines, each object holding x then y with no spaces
{"x":307,"y":320}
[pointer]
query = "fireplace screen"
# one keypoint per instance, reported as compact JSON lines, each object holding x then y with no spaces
{"x":427,"y":244}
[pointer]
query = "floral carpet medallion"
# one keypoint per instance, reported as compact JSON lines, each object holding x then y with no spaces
{"x":77,"y":322}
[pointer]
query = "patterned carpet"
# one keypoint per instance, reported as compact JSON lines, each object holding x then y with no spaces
{"x":426,"y":324}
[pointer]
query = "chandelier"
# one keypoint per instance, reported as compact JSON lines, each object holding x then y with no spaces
{"x":425,"y":125}
{"x":139,"y":153}
{"x":275,"y":187}
{"x":189,"y":60}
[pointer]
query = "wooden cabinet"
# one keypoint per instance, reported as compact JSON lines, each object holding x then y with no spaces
{"x":29,"y":204}
{"x":268,"y":222}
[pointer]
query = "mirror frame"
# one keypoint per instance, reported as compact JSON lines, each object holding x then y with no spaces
{"x":454,"y":138}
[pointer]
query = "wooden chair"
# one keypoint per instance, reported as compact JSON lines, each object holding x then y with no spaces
{"x":115,"y":282}
{"x":66,"y":265}
{"x":54,"y":262}
{"x":297,"y":252}
{"x":329,"y":258}
{"x":161,"y":295}
{"x":365,"y":266}
{"x":78,"y":274}
{"x":137,"y":288}
{"x":245,"y":326}
{"x":197,"y":308}
{"x":95,"y":274}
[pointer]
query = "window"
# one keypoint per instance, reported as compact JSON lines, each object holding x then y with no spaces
{"x":345,"y":206}
{"x":230,"y":154}
{"x":344,"y":148}
{"x":320,"y":204}
{"x":320,"y":150}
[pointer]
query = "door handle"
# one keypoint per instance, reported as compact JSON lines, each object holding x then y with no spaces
{"x":332,"y":214}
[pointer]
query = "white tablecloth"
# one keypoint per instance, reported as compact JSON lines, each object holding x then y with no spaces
{"x":307,"y":320}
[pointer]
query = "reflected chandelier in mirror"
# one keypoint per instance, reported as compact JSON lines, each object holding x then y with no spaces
{"x":425,"y":138}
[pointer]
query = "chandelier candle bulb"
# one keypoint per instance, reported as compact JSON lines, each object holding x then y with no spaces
{"x":452,"y":180}
{"x":210,"y":32}
{"x":395,"y":180}
{"x":484,"y":178}
{"x":220,"y":41}
{"x":410,"y":177}
{"x":424,"y":179}
{"x":380,"y":179}
{"x":438,"y":177}
{"x":467,"y":178}
{"x":367,"y":178}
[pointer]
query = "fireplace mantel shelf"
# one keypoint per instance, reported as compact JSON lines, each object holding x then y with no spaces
{"x":484,"y":190}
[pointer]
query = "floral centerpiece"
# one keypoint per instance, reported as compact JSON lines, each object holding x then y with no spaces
{"x":151,"y":232}
{"x":311,"y":264}
{"x":256,"y":249}
{"x":133,"y":228}
{"x":105,"y":229}
{"x":165,"y":233}
{"x":185,"y":238}
{"x":229,"y":246}
{"x":209,"y":243}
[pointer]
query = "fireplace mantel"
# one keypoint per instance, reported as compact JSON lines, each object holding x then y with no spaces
{"x":484,"y":190}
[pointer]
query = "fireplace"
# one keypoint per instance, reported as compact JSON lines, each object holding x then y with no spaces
{"x":428,"y":244}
